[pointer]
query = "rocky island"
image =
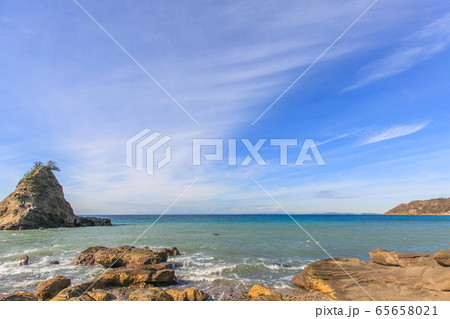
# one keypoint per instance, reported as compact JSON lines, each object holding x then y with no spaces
{"x":436,"y":206}
{"x":38,"y":202}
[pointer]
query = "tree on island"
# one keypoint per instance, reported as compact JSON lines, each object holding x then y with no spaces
{"x":51,"y":165}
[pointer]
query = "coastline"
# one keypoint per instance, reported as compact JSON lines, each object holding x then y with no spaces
{"x":132,"y":273}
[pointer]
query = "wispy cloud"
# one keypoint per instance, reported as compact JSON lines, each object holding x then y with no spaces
{"x":430,"y":40}
{"x":337,"y":138}
{"x":329,"y":194}
{"x":393,"y":132}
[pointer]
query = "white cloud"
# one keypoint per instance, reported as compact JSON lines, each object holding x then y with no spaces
{"x":430,"y":40}
{"x":397,"y":131}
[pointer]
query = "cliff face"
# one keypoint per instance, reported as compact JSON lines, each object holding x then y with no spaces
{"x":38,"y":201}
{"x":437,"y":206}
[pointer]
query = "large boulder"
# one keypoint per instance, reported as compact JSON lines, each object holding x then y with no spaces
{"x":38,"y":202}
{"x":48,"y":289}
{"x":150,"y":294}
{"x":388,"y":277}
{"x":391,"y":258}
{"x":18,"y":296}
{"x":442,"y":257}
{"x":125,"y":277}
{"x":125,"y":256}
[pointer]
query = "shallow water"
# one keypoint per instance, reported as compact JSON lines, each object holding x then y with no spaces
{"x":249,"y":249}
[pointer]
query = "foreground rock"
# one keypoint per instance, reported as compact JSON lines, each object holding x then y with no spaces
{"x":50,"y":288}
{"x":150,"y":294}
{"x":260,"y":293}
{"x":38,"y":202}
{"x":125,"y":256}
{"x":388,"y":276}
{"x":100,"y":295}
{"x":74,"y":292}
{"x":131,"y":268}
{"x":189,"y":294}
{"x":18,"y":296}
{"x":436,"y":206}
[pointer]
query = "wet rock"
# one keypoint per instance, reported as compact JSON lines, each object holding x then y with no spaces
{"x":150,"y":294}
{"x":48,"y":289}
{"x":125,"y":256}
{"x":92,"y":221}
{"x":54,"y":262}
{"x":23,"y":260}
{"x":18,"y":296}
{"x":281,"y":265}
{"x":171,"y":252}
{"x":124,"y":277}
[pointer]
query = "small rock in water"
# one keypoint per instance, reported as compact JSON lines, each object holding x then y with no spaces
{"x":281,"y":265}
{"x":23,"y":260}
{"x":216,"y":234}
{"x":171,"y":252}
{"x":54,"y":262}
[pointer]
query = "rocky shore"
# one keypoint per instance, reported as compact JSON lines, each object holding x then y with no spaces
{"x":138,"y":274}
{"x":141,"y":274}
{"x":388,"y":276}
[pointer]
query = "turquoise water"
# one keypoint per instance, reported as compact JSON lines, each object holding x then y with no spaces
{"x":249,"y":249}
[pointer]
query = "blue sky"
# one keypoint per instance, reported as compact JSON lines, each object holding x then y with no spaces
{"x":376,"y":103}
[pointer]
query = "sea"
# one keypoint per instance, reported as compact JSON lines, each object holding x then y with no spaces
{"x":220,"y":254}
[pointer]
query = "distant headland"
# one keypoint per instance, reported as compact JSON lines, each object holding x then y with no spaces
{"x":436,"y":206}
